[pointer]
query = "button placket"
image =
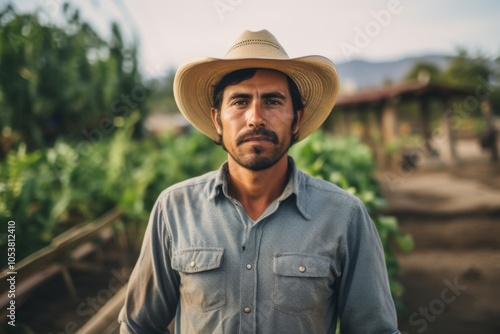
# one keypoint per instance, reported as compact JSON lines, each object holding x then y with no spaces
{"x":248,"y":275}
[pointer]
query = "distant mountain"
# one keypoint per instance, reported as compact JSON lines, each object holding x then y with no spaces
{"x":361,"y":74}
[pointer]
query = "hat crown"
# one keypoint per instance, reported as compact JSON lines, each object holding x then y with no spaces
{"x":256,"y":44}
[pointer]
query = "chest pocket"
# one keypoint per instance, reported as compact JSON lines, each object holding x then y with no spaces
{"x":301,"y":282}
{"x":202,"y":281}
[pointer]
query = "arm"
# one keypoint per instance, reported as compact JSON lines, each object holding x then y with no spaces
{"x":153,"y":288}
{"x":364,"y":300}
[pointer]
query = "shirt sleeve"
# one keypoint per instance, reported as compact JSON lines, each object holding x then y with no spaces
{"x":364,"y":300}
{"x":153,"y":288}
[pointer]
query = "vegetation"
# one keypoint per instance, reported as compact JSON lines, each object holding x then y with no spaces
{"x":466,"y":69}
{"x":424,"y":71}
{"x":49,"y":190}
{"x":59,"y":81}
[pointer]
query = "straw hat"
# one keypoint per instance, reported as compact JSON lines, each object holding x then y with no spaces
{"x":315,"y":76}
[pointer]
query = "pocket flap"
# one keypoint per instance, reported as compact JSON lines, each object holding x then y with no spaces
{"x":301,"y":265}
{"x":194,"y":260}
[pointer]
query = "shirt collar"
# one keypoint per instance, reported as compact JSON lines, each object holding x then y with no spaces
{"x":220,"y":182}
{"x":296,"y":185}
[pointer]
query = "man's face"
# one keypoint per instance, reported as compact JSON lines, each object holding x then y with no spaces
{"x":256,"y":119}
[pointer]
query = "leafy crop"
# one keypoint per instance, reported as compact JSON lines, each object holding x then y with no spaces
{"x":48,"y":191}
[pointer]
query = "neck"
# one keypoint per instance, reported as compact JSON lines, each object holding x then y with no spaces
{"x":256,"y":190}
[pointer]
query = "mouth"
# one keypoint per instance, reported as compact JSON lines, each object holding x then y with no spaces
{"x":257,"y":139}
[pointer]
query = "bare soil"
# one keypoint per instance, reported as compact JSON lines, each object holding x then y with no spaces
{"x":52,"y":310}
{"x":452,"y":277}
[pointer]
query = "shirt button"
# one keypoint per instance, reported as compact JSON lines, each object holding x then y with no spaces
{"x":302,"y":269}
{"x":192,"y":264}
{"x":249,"y":266}
{"x":247,"y":310}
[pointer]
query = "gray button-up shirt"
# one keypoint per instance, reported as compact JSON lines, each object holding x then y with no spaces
{"x":312,"y":257}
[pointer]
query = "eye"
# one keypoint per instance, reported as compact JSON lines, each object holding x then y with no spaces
{"x":273,"y":102}
{"x":239,"y":103}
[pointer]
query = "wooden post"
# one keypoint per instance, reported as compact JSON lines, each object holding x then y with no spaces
{"x":449,"y":129}
{"x":426,"y":126}
{"x":378,"y":121}
{"x":491,"y":131}
{"x":365,"y":125}
{"x":377,"y":138}
{"x":348,"y":121}
{"x":389,"y":121}
{"x":389,"y":129}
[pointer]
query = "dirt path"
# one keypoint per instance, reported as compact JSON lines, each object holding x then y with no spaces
{"x":452,"y":277}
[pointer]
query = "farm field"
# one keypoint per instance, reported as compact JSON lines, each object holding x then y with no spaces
{"x":455,"y":252}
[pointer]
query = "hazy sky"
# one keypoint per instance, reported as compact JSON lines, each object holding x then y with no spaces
{"x":171,"y":32}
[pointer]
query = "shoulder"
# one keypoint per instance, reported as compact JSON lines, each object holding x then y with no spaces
{"x":321,"y":199}
{"x":199,"y":185}
{"x":318,"y":188}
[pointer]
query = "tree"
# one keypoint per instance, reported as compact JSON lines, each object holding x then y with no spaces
{"x":465,"y":70}
{"x":425,"y":71}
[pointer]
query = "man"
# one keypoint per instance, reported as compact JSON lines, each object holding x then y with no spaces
{"x":258,"y":246}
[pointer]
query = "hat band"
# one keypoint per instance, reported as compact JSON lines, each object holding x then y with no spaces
{"x":257,"y":41}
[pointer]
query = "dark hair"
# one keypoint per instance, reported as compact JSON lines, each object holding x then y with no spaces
{"x":238,"y":76}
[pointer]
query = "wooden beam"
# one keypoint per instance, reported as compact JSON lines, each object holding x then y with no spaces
{"x":48,"y":261}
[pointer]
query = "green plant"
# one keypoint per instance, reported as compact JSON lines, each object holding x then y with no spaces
{"x":48,"y":191}
{"x":57,"y":80}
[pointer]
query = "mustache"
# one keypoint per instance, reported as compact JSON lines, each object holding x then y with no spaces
{"x":261,"y":132}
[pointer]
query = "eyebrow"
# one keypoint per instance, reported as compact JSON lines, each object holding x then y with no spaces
{"x":239,"y":96}
{"x":274,"y":95}
{"x":265,"y":95}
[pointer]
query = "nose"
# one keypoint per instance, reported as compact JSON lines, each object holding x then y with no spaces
{"x":256,"y":115}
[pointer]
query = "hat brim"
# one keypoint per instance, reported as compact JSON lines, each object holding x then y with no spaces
{"x":315,"y":76}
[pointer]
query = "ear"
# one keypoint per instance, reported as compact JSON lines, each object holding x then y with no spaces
{"x":213,"y":113}
{"x":300,"y":117}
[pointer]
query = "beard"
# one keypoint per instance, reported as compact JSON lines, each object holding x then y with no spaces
{"x":258,"y":159}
